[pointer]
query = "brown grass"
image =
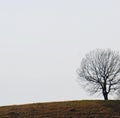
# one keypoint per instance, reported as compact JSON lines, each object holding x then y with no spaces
{"x":68,"y":109}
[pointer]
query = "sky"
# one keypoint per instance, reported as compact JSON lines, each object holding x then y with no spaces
{"x":42,"y":43}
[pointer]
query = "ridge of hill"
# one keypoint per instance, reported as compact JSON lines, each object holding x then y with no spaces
{"x":66,"y":109}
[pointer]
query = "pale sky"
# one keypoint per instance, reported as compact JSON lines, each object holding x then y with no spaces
{"x":42,"y":43}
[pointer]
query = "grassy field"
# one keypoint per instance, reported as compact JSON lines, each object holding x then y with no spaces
{"x":68,"y":109}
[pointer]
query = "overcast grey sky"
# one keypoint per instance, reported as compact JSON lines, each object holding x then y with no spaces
{"x":42,"y":43}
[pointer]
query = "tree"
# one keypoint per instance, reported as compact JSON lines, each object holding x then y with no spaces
{"x":100,"y":71}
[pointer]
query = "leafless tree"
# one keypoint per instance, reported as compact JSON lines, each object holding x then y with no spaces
{"x":100,"y":70}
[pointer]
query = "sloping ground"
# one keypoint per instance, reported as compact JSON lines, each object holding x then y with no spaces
{"x":70,"y":109}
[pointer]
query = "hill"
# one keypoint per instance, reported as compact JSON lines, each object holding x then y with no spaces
{"x":68,"y":109}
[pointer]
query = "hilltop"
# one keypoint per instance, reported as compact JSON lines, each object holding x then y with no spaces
{"x":67,"y":109}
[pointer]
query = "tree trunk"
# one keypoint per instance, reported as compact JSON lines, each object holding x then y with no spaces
{"x":105,"y":93}
{"x":105,"y":96}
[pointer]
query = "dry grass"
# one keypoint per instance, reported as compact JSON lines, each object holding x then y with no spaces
{"x":69,"y":109}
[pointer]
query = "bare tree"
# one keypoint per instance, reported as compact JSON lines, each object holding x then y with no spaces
{"x":100,"y":70}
